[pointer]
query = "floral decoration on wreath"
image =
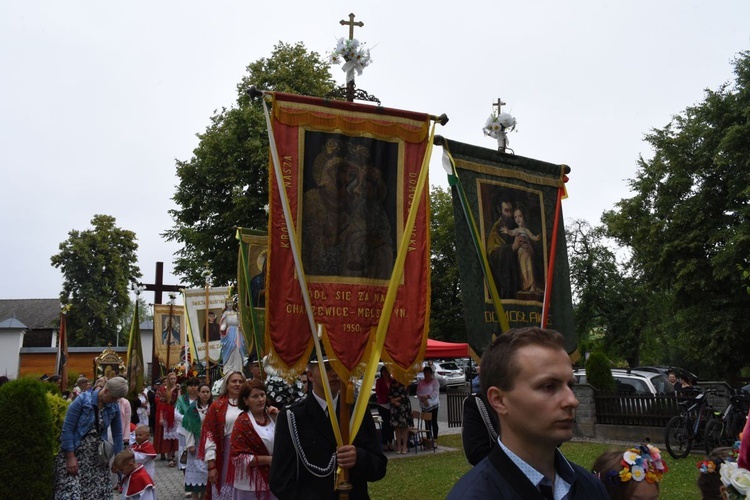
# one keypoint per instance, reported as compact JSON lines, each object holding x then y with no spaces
{"x":735,"y":479}
{"x":282,"y":394}
{"x":354,"y":56}
{"x":639,"y":464}
{"x":497,"y":125}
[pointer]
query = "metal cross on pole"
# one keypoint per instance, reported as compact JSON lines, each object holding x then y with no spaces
{"x":351,"y":23}
{"x":499,"y":105}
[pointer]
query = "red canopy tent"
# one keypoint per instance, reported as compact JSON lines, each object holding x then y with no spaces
{"x":437,"y":349}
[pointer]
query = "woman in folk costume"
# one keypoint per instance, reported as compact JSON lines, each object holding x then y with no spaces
{"x":165,"y":434}
{"x":180,"y":410}
{"x":252,"y":444}
{"x":196,"y":473}
{"x":216,"y":434}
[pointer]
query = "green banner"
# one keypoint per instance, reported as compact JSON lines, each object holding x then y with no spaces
{"x":512,"y":202}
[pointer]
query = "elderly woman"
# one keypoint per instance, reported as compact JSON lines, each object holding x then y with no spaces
{"x":252,"y":443}
{"x":216,"y":435}
{"x":79,"y":474}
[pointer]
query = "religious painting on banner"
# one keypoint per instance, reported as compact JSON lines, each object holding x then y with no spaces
{"x":168,"y":333}
{"x":513,"y":201}
{"x":251,"y":268}
{"x":197,"y":317}
{"x":350,"y":174}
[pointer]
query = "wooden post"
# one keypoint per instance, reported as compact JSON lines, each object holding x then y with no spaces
{"x":205,"y":338}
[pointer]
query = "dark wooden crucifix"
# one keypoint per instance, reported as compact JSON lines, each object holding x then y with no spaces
{"x":158,"y":287}
{"x":499,"y":104}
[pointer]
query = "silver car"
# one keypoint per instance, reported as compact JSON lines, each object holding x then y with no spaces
{"x":447,"y":373}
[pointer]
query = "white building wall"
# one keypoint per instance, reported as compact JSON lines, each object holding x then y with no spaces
{"x":11,"y":341}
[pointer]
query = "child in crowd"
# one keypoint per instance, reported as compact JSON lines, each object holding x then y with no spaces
{"x":634,"y":474}
{"x":144,"y":451}
{"x":137,"y":484}
{"x":709,"y":481}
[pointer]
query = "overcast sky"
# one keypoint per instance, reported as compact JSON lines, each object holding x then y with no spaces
{"x":98,"y":99}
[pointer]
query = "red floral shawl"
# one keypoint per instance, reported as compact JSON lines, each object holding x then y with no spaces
{"x":246,"y":443}
{"x":213,"y":428}
{"x":165,"y":410}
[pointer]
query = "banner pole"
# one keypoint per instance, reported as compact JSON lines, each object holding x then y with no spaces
{"x":205,"y":337}
{"x":552,"y":257}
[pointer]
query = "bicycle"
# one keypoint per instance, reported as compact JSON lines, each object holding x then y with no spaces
{"x":724,"y":430}
{"x":683,"y":429}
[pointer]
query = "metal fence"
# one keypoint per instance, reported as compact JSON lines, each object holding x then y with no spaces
{"x":455,"y":398}
{"x":616,"y":408}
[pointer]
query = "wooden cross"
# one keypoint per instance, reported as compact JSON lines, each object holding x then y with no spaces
{"x":499,"y":104}
{"x":351,"y":24}
{"x":158,"y":286}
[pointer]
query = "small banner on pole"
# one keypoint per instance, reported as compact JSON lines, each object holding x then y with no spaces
{"x":512,"y":202}
{"x":135,"y":357}
{"x":62,"y":354}
{"x":195,"y":311}
{"x":350,"y":175}
{"x":168,"y":334}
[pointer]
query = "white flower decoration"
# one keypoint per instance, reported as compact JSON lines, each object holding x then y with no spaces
{"x":355,"y":57}
{"x":496,"y":127}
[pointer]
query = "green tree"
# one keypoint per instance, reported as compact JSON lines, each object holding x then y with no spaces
{"x":446,"y":312}
{"x":610,"y":299}
{"x":26,"y":440}
{"x":599,"y":372}
{"x":225,"y":183}
{"x":688,"y":225}
{"x":98,"y":265}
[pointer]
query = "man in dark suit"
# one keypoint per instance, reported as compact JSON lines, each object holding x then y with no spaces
{"x":305,"y":453}
{"x":529,"y":384}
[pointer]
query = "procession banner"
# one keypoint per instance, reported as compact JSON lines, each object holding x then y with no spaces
{"x":251,"y":287}
{"x":195,"y":307}
{"x":350,"y":174}
{"x":168,"y":334}
{"x":506,"y":204}
{"x":135,"y":357}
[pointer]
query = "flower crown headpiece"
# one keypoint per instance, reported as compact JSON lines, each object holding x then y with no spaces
{"x":638,"y":464}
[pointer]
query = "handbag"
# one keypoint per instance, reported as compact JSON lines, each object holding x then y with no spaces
{"x":183,"y":457}
{"x":105,"y":451}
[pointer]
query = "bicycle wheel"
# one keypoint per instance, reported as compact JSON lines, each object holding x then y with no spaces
{"x":677,"y":437}
{"x":713,"y":435}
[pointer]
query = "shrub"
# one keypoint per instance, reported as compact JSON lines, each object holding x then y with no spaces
{"x":26,"y":441}
{"x":599,"y":373}
{"x":57,"y":407}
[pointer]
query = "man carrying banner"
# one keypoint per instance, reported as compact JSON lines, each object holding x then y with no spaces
{"x":305,"y":452}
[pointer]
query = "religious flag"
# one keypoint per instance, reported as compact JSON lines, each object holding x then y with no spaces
{"x":198,"y":315}
{"x":251,"y":287}
{"x":62,"y":353}
{"x":353,"y":178}
{"x":135,"y":357}
{"x":169,"y":331}
{"x":510,"y":242}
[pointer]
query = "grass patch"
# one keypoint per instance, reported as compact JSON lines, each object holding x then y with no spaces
{"x":428,"y":476}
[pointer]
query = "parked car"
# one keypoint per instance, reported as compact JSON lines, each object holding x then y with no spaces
{"x":447,"y":373}
{"x":635,"y":381}
{"x":679,"y":372}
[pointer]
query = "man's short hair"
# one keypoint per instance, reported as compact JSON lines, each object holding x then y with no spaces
{"x":499,"y":368}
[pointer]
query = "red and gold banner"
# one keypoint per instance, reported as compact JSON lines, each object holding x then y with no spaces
{"x":350,"y":173}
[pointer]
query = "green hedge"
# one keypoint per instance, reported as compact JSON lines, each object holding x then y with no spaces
{"x":58,"y":408}
{"x":599,"y":372}
{"x":26,"y":440}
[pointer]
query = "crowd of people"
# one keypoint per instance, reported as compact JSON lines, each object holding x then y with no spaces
{"x":239,"y":446}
